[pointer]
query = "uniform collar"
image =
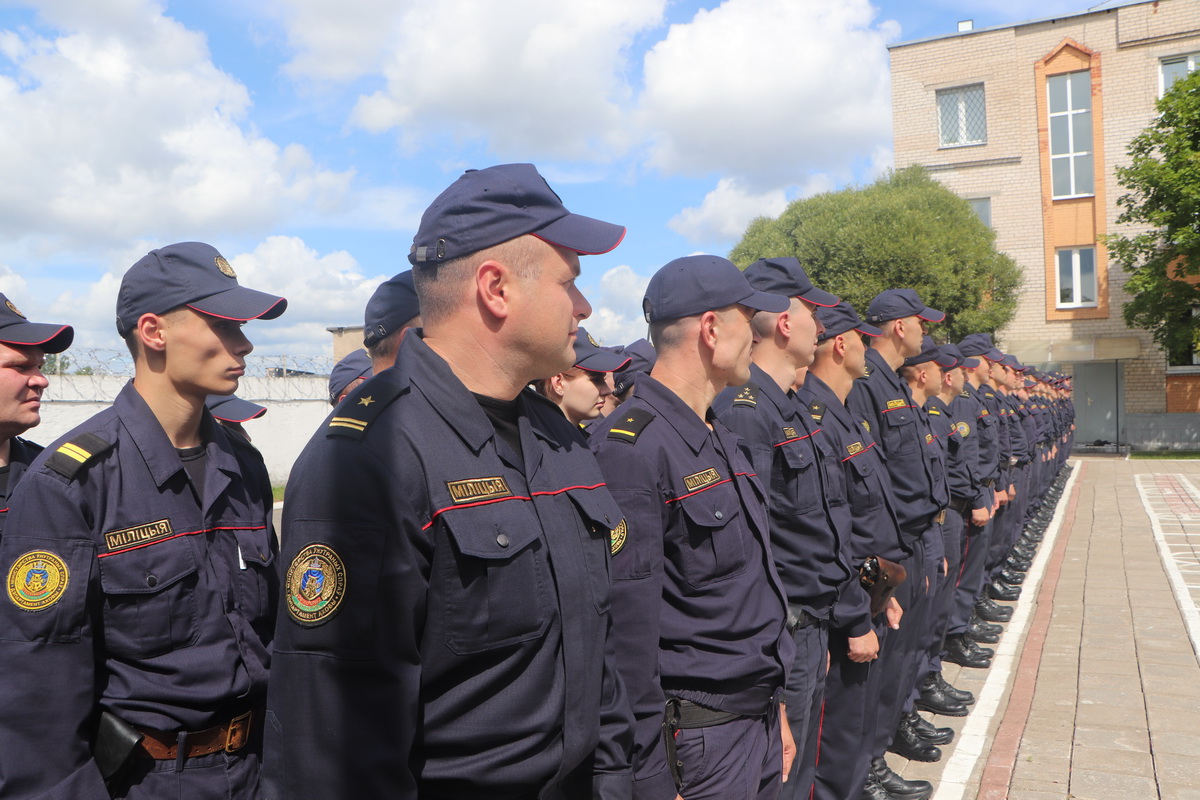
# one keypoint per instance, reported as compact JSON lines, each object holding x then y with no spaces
{"x":161,"y":457}
{"x":785,"y":403}
{"x":882,"y":366}
{"x":677,"y":413}
{"x":419,"y":365}
{"x":938,"y":403}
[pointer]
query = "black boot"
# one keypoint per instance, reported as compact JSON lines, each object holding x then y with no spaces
{"x":894,"y":785}
{"x":907,"y":744}
{"x":991,"y":611}
{"x":873,"y":790}
{"x":933,"y":699}
{"x":1012,"y":578}
{"x":961,"y":695}
{"x":959,"y":652}
{"x":998,"y":590}
{"x":974,"y":647}
{"x":930,"y":732}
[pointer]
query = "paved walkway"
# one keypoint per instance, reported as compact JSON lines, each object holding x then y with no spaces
{"x":1095,"y":688}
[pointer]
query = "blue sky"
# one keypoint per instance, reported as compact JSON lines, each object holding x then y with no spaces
{"x":304,"y":138}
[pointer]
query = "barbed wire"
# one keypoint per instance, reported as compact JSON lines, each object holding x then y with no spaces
{"x":96,"y":375}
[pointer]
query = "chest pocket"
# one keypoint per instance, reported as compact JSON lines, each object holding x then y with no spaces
{"x":900,"y":433}
{"x":603,"y":529}
{"x":863,"y":494}
{"x":797,"y":487}
{"x":150,"y":599}
{"x":495,"y":584}
{"x":714,"y":547}
{"x":258,"y":583}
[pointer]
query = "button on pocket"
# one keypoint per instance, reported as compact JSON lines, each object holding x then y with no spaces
{"x":149,"y":599}
{"x":715,"y":548}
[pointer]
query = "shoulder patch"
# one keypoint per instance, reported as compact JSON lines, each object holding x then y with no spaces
{"x":360,"y":408}
{"x":37,"y":580}
{"x":964,"y":393}
{"x":315,"y":584}
{"x":630,"y":425}
{"x":72,"y":456}
{"x":747,"y":395}
{"x":934,"y":410}
{"x":868,"y":369}
{"x":817,"y":409}
{"x":866,"y":425}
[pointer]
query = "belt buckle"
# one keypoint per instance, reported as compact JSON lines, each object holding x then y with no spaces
{"x":238,"y":733}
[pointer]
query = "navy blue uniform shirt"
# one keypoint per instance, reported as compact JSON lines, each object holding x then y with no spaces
{"x":989,"y":439}
{"x":698,"y":609}
{"x":897,"y":424}
{"x":458,"y":646}
{"x":947,"y":431}
{"x":21,"y":454}
{"x":875,"y":531}
{"x":806,"y":490}
{"x":964,"y":416}
{"x":127,"y":595}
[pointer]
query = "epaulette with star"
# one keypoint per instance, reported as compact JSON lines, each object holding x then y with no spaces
{"x":747,"y":395}
{"x":817,"y":409}
{"x":359,"y":409}
{"x":72,"y":456}
{"x":630,"y":425}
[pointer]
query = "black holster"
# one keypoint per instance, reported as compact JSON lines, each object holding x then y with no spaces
{"x":113,"y":747}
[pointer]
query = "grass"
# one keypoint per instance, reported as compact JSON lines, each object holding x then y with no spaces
{"x":1171,"y":454}
{"x":277,"y":491}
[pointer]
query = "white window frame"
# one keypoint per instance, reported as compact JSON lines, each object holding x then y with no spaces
{"x":987,"y":200}
{"x":961,"y":93}
{"x":1075,"y":279}
{"x":1072,"y":154}
{"x":1192,"y":60}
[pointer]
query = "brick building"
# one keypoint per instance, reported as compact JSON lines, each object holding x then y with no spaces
{"x":1027,"y":122}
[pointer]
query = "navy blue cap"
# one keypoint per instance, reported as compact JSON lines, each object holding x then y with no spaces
{"x":191,"y":274}
{"x":1010,"y":360}
{"x":950,"y":349}
{"x":393,"y":304}
{"x":785,"y":276}
{"x":841,"y":318}
{"x":345,"y":372}
{"x":899,"y":303}
{"x":641,"y":360}
{"x":231,"y":408}
{"x":591,"y":356}
{"x":486,"y":207}
{"x":980,"y":344}
{"x":931,"y":352}
{"x":16,"y":329}
{"x":692,"y":285}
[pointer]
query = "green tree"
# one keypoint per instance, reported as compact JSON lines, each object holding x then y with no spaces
{"x":905,"y":230}
{"x":1163,"y":197}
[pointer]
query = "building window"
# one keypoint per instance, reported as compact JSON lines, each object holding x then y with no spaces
{"x":962,"y":118}
{"x":1077,"y":278}
{"x":1071,"y":169}
{"x":1174,"y":68}
{"x":982,"y":206}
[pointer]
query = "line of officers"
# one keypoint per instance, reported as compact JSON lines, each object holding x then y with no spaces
{"x":515,"y":564}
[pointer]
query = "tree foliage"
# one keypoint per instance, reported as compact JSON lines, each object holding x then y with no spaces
{"x":904,"y":231}
{"x":1163,"y":183}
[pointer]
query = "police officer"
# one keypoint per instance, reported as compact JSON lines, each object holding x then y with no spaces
{"x":348,"y":374}
{"x":698,"y":610}
{"x":641,"y":356}
{"x":231,"y":411}
{"x":444,"y":630}
{"x":581,"y":391}
{"x":853,"y":688}
{"x":140,"y":565}
{"x":23,"y":349}
{"x":392,"y":310}
{"x":809,"y":511}
{"x":919,"y":488}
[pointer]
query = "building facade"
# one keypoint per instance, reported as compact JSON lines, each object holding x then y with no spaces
{"x":1027,"y":123}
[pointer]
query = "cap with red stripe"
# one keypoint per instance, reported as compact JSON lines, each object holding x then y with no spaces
{"x":15,"y":329}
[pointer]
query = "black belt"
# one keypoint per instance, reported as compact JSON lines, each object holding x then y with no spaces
{"x":685,"y":715}
{"x":960,"y":504}
{"x":990,"y":483}
{"x":799,"y":619}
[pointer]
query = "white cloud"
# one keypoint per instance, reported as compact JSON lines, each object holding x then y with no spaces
{"x":769,"y":90}
{"x":617,"y":307}
{"x":525,"y":76}
{"x":119,"y":126}
{"x":337,"y":41}
{"x":726,"y":211}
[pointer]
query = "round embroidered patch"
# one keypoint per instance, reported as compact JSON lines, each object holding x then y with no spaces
{"x":37,"y":580}
{"x":618,"y":536}
{"x":316,"y":584}
{"x":223,"y":265}
{"x":964,"y":430}
{"x":14,"y":309}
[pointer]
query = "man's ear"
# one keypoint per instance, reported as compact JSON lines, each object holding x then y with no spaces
{"x":493,"y":287}
{"x":150,"y":331}
{"x":710,"y":322}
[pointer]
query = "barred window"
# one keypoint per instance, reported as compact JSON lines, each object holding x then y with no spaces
{"x":962,"y":118}
{"x":1071,"y":154}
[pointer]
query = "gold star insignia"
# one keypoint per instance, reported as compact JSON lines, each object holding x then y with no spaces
{"x":366,"y":401}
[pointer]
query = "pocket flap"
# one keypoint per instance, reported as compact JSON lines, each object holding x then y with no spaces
{"x":255,"y":546}
{"x":147,"y":570}
{"x":493,"y":531}
{"x":714,"y":507}
{"x":598,"y":506}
